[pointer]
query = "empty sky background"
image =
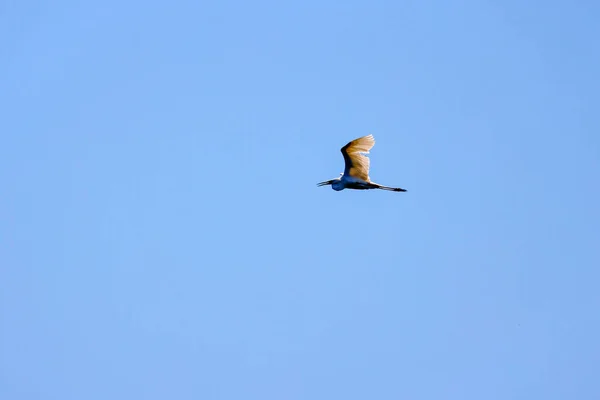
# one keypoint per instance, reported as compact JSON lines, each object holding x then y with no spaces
{"x":162,"y":235}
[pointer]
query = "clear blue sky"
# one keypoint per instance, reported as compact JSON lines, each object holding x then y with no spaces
{"x":162,"y":237}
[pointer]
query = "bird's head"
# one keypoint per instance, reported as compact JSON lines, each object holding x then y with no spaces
{"x":325,"y":183}
{"x":331,"y":182}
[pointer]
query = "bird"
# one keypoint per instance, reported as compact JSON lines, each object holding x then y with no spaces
{"x":356,"y":171}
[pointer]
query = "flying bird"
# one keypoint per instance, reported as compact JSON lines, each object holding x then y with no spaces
{"x":356,"y":172}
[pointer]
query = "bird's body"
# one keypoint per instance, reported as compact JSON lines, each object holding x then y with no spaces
{"x":356,"y":172}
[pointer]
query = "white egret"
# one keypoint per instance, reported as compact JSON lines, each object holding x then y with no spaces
{"x":356,"y":172}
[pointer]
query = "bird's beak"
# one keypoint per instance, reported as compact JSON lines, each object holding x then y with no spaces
{"x":325,"y":183}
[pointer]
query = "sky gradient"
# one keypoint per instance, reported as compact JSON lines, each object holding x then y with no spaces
{"x":162,"y":236}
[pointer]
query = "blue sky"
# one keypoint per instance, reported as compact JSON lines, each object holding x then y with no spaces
{"x":162,"y":235}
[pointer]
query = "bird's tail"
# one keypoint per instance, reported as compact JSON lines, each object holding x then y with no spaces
{"x":391,"y":189}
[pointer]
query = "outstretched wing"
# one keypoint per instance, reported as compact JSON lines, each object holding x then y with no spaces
{"x":357,"y":164}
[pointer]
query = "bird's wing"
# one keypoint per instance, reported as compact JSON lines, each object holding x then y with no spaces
{"x":357,"y":164}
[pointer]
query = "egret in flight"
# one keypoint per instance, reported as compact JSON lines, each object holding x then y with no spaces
{"x":356,"y":172}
